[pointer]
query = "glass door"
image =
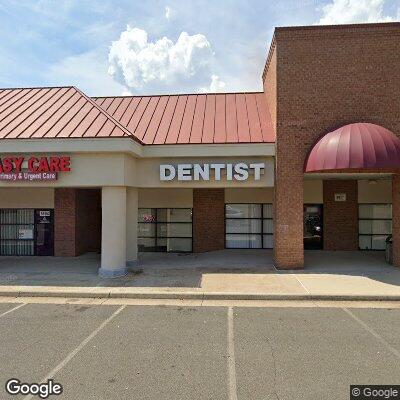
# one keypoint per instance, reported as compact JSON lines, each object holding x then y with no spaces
{"x":44,"y":232}
{"x":313,"y":232}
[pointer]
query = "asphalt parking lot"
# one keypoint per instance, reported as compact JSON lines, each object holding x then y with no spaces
{"x":172,"y":352}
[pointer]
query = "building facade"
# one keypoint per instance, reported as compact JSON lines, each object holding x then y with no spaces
{"x":311,"y":162}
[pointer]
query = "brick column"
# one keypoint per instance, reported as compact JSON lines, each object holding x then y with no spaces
{"x":396,"y":219}
{"x":288,"y":227}
{"x":64,"y":222}
{"x":208,"y":220}
{"x":340,"y":228}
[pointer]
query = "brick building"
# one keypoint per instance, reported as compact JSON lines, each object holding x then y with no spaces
{"x":311,"y":162}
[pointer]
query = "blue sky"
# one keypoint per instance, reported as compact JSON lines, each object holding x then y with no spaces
{"x":119,"y":47}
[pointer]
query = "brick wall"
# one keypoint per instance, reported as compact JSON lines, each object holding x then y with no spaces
{"x":88,"y":221}
{"x":270,"y":83}
{"x":64,"y":222}
{"x":326,"y":77}
{"x":340,"y":217}
{"x":77,"y":221}
{"x":208,"y":220}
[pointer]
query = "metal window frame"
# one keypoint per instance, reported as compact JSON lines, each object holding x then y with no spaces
{"x":19,"y":240}
{"x":370,"y":235}
{"x":34,"y":224}
{"x":156,"y":223}
{"x":262,"y":234}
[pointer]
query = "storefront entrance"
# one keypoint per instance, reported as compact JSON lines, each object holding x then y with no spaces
{"x":313,"y":227}
{"x":44,"y":232}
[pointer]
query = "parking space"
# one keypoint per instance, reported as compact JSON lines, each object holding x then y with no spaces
{"x":154,"y":353}
{"x":314,"y":351}
{"x":5,"y":307}
{"x":37,"y":337}
{"x":385,"y":322}
{"x":172,"y":352}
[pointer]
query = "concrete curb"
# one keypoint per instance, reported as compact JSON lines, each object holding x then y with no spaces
{"x":128,"y":293}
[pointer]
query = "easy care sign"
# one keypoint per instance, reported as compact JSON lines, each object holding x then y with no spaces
{"x":33,"y":168}
{"x":233,"y":171}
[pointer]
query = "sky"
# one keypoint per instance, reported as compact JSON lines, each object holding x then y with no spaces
{"x":123,"y":47}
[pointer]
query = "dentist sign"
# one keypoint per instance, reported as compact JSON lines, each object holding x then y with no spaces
{"x":240,"y":171}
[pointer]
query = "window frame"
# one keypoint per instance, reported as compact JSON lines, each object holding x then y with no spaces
{"x":371,"y":235}
{"x":16,"y":239}
{"x":156,"y":223}
{"x":261,"y":219}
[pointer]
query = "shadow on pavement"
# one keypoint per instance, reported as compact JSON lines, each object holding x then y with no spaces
{"x":188,"y":270}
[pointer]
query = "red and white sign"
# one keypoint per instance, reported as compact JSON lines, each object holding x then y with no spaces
{"x":34,"y":168}
{"x":149,"y":218}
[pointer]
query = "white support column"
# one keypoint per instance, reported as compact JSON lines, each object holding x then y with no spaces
{"x":113,"y":232}
{"x":132,"y":204}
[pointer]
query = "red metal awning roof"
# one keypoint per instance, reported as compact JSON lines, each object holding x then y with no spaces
{"x":194,"y":118}
{"x":56,"y":112}
{"x":355,"y":146}
{"x":66,"y":112}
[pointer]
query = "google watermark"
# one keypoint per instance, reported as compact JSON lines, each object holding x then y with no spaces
{"x":43,"y":390}
{"x":374,"y":392}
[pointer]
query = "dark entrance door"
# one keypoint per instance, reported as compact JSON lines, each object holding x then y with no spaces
{"x":44,"y":232}
{"x":313,"y":228}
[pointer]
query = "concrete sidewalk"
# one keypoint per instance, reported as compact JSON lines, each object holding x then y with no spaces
{"x":237,"y":274}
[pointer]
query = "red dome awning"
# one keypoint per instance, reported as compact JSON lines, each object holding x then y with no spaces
{"x":355,"y":146}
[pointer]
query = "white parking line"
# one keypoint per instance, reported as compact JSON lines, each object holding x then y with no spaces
{"x":13,"y":309}
{"x":376,"y":335}
{"x":231,"y":358}
{"x":81,"y":345}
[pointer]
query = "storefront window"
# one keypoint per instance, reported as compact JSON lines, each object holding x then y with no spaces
{"x":243,"y":226}
{"x":165,"y":229}
{"x":374,"y":225}
{"x":249,"y":226}
{"x":243,"y":211}
{"x":17,"y":232}
{"x":171,"y":229}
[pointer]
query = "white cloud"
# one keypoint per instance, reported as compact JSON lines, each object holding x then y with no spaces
{"x":162,"y":65}
{"x":353,"y":11}
{"x":170,"y":13}
{"x":216,"y":85}
{"x":87,"y":71}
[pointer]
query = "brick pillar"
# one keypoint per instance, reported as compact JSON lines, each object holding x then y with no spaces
{"x":64,"y":222}
{"x":208,"y":220}
{"x":340,"y":227}
{"x":396,"y":219}
{"x":288,"y":209}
